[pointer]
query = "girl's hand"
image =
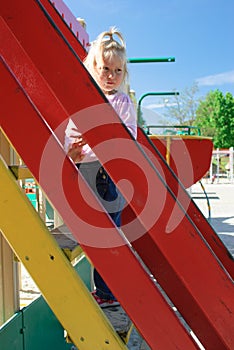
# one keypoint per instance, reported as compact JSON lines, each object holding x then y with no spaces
{"x":75,"y":151}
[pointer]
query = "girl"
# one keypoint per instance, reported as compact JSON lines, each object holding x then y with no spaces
{"x":107,"y":63}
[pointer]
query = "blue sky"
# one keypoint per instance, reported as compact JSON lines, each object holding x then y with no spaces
{"x":198,"y":33}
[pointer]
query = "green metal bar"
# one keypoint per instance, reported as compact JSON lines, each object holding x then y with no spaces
{"x":167,"y":93}
{"x":150,"y":60}
{"x":189,"y":127}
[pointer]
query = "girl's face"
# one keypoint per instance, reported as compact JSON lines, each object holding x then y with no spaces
{"x":109,"y":74}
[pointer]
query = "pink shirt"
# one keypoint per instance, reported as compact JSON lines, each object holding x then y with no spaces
{"x":123,"y":106}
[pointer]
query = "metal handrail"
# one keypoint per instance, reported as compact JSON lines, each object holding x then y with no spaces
{"x":169,"y":127}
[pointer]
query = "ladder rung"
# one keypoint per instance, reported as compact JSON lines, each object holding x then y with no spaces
{"x":67,"y":242}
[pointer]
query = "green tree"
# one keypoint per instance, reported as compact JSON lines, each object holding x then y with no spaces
{"x":215,"y":117}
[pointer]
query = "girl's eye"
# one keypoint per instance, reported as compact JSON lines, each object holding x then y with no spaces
{"x":106,"y":69}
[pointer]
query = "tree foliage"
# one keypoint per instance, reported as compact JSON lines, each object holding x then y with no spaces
{"x":214,"y":114}
{"x":215,"y":117}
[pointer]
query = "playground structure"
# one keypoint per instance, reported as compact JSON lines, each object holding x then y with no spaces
{"x":222,"y":166}
{"x":39,"y":92}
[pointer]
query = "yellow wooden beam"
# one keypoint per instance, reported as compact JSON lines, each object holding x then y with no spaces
{"x":60,"y":285}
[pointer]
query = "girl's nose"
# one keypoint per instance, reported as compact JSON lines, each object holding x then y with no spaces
{"x":111,"y":74}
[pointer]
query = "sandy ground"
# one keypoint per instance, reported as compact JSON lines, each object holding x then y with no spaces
{"x":28,"y":289}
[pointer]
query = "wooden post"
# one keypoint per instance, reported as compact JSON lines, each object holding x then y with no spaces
{"x":9,"y":279}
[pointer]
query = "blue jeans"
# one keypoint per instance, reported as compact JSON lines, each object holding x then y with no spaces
{"x":106,"y":191}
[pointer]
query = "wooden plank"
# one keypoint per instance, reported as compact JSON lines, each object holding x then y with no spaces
{"x":67,"y":242}
{"x":9,"y":279}
{"x":11,"y":335}
{"x":9,"y":302}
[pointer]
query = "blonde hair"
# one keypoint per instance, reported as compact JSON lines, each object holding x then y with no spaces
{"x":106,"y":47}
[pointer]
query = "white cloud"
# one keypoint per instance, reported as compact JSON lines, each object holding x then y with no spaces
{"x":160,"y":105}
{"x":217,"y":79}
{"x":155,"y":105}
